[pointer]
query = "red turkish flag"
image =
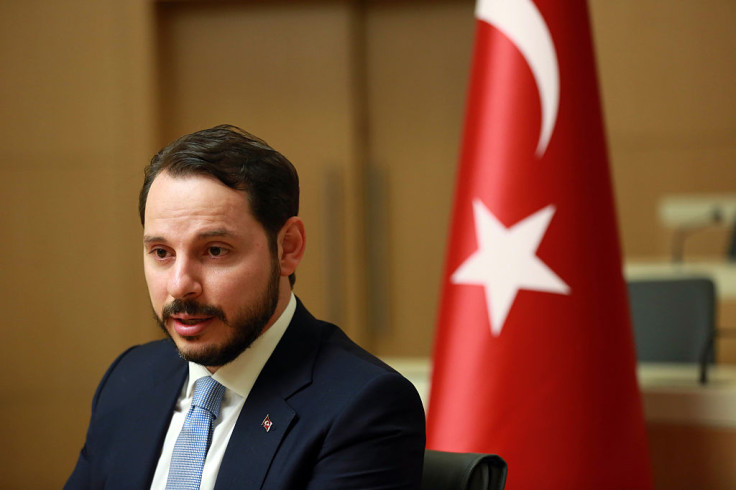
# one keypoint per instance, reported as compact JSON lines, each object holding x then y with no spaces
{"x":534,"y":357}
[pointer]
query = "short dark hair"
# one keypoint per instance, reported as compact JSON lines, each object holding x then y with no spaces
{"x":239,"y":160}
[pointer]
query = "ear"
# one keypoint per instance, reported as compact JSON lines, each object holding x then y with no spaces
{"x":291,"y":241}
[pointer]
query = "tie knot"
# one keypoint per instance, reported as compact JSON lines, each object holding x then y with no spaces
{"x":208,"y":395}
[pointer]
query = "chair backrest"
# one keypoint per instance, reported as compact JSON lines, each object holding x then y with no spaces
{"x":673,"y":318}
{"x":463,"y":471}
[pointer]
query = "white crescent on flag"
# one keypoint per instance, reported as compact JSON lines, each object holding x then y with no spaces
{"x":523,"y":24}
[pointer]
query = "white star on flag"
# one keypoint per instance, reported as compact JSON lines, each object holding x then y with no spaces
{"x":506,"y":261}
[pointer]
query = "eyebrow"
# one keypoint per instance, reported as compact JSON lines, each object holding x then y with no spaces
{"x":206,"y":234}
{"x":151,"y":239}
{"x":214,"y":233}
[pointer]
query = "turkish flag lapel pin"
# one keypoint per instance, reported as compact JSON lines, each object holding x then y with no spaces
{"x":266,"y":424}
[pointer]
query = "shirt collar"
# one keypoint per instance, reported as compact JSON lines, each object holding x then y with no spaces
{"x":240,"y":375}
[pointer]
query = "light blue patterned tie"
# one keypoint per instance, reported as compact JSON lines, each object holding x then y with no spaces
{"x":195,"y":437}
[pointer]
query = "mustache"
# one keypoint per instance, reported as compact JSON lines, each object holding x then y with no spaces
{"x":191,"y":307}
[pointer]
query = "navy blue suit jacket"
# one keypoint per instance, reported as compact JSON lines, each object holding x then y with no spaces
{"x":341,"y":419}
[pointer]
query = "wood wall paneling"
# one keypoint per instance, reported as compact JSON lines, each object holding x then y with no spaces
{"x":670,"y":105}
{"x":91,"y":89}
{"x":75,"y":125}
{"x":417,"y":71}
{"x":284,"y":74}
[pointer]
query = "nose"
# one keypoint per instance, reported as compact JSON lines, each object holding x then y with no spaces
{"x":184,"y":279}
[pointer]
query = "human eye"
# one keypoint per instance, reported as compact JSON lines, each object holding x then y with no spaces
{"x":159,"y":253}
{"x":217,"y":251}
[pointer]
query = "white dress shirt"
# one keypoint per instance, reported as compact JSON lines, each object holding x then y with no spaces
{"x":238,"y":378}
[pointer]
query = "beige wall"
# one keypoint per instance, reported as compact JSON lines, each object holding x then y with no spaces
{"x":83,"y":110}
{"x":667,"y":72}
{"x":75,"y":128}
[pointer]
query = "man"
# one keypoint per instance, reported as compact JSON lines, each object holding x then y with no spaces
{"x":249,"y":391}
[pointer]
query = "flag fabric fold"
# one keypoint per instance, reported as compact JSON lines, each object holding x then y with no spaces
{"x":534,"y":357}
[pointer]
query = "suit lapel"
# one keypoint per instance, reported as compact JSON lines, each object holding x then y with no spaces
{"x":252,"y":447}
{"x":146,"y":419}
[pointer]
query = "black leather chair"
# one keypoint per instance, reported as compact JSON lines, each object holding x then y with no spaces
{"x":463,"y":471}
{"x":674,"y":320}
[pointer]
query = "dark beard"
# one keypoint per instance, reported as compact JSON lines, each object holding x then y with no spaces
{"x":246,"y":326}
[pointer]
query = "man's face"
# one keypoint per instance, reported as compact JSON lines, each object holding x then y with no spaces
{"x":212,"y":277}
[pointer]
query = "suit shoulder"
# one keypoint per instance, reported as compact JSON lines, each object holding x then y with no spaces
{"x":147,"y":356}
{"x":338,"y":347}
{"x":344,"y":363}
{"x":140,"y":366}
{"x":331,"y":347}
{"x":320,"y":355}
